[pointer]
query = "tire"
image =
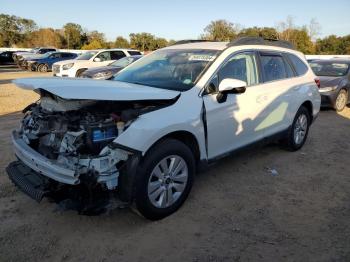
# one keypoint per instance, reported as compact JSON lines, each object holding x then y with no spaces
{"x":153,"y":188}
{"x":300,"y":126}
{"x":341,"y":100}
{"x":43,"y":68}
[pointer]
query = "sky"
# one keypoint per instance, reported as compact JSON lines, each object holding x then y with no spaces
{"x":179,"y":19}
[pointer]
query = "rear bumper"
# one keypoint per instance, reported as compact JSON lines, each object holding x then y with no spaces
{"x":328,"y":99}
{"x":41,"y":164}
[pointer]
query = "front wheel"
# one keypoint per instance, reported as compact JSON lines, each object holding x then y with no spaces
{"x":297,"y":133}
{"x":43,"y":68}
{"x":164,"y":179}
{"x":341,"y":100}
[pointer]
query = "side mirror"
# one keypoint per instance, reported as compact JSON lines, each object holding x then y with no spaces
{"x":231,"y":85}
{"x":97,"y":59}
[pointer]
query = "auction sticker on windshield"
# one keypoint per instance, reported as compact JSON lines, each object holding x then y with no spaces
{"x":201,"y":58}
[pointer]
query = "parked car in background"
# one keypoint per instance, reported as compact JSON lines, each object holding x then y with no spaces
{"x":20,"y":58}
{"x":6,"y":57}
{"x":91,"y":59}
{"x":141,"y":136}
{"x":334,"y":76}
{"x":107,"y":72}
{"x":44,"y":63}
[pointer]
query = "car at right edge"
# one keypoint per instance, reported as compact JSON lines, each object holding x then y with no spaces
{"x":141,"y":137}
{"x":334,"y":76}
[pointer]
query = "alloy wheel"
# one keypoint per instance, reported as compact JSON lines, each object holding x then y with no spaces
{"x":300,"y":129}
{"x":167,"y":181}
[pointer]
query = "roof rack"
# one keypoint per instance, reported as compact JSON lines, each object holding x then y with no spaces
{"x":181,"y":42}
{"x":250,"y":40}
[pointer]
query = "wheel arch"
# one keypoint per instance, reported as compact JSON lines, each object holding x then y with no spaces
{"x":308,"y":105}
{"x":80,"y":71}
{"x":185,"y":137}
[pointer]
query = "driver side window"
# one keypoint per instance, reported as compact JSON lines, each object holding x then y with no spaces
{"x":240,"y":66}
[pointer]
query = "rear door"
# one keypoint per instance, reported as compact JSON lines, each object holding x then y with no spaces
{"x":277,"y":95}
{"x":116,"y":55}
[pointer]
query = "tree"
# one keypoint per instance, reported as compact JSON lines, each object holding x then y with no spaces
{"x":73,"y":35}
{"x":300,"y":39}
{"x":265,"y":32}
{"x":220,"y":30}
{"x":121,"y":42}
{"x":94,"y":44}
{"x":14,"y":29}
{"x":314,"y":29}
{"x":329,"y":45}
{"x":45,"y":37}
{"x":159,"y":43}
{"x":142,"y":41}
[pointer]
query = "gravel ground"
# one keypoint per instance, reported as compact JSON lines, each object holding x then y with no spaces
{"x":237,"y":210}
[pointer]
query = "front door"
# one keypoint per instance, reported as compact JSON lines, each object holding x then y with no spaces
{"x":233,"y":123}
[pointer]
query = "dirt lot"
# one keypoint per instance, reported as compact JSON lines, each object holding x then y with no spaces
{"x":237,"y":211}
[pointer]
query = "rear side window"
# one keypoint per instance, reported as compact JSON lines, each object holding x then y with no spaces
{"x":273,"y":67}
{"x":298,"y":65}
{"x":115,"y":55}
{"x":134,"y":53}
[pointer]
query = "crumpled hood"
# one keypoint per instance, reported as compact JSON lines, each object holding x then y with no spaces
{"x":329,"y":81}
{"x":88,"y":89}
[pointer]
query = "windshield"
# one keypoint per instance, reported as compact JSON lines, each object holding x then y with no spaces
{"x":87,"y":55}
{"x":123,"y":62}
{"x":329,"y":68}
{"x":169,"y":68}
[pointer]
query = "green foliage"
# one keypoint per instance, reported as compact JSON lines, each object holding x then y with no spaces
{"x":45,"y":37}
{"x":333,"y":45}
{"x":121,"y":42}
{"x":220,"y":30}
{"x":73,"y":34}
{"x":301,"y":40}
{"x":14,"y":29}
{"x":146,"y":41}
{"x":94,"y":44}
{"x":142,"y":41}
{"x":22,"y":32}
{"x":265,"y":32}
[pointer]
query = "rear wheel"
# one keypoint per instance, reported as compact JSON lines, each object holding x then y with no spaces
{"x":165,"y":179}
{"x":297,"y":133}
{"x":43,"y":68}
{"x":341,"y":100}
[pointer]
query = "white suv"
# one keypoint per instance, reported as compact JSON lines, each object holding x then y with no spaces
{"x":142,"y":136}
{"x":90,"y":59}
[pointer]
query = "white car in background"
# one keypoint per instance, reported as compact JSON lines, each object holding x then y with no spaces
{"x":90,"y":59}
{"x":142,"y":136}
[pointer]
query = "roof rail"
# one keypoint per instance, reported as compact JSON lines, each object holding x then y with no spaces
{"x":181,"y":42}
{"x":251,"y":40}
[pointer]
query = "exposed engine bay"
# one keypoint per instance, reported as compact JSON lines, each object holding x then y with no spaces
{"x":77,"y":135}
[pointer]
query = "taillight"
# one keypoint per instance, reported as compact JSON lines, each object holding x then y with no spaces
{"x":318,"y":82}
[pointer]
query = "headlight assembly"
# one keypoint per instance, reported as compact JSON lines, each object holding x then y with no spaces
{"x":102,"y":75}
{"x":67,"y":66}
{"x":327,"y":89}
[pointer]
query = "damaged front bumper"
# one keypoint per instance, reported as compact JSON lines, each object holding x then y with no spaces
{"x":67,"y":170}
{"x":39,"y":177}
